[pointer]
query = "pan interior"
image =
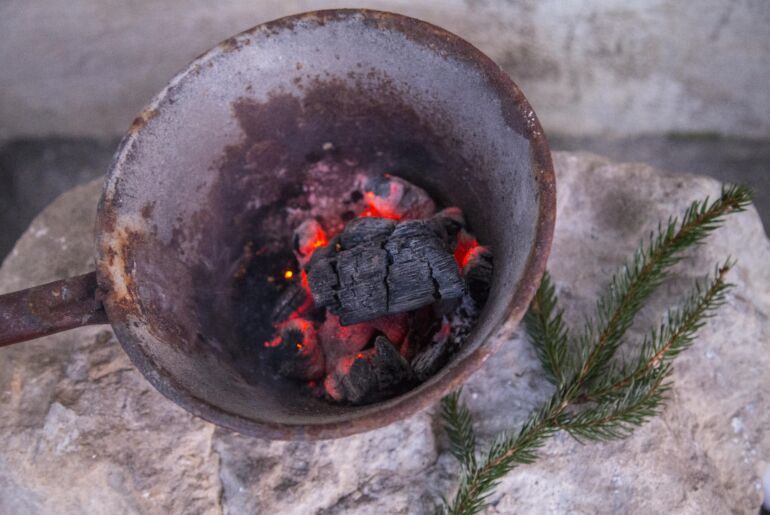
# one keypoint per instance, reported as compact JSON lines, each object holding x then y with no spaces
{"x":215,"y":162}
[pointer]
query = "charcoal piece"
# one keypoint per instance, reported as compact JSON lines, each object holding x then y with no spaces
{"x":415,"y":233}
{"x":295,"y":352}
{"x":435,"y":355}
{"x":478,"y":273}
{"x":367,"y":230}
{"x":322,"y":275}
{"x":410,"y":284}
{"x":359,"y":384}
{"x":362,"y":293}
{"x":463,"y":319}
{"x":289,"y":301}
{"x":411,"y":269}
{"x":392,"y":371}
{"x":370,"y":375}
{"x":422,"y":271}
{"x":452,"y":220}
{"x":393,"y":197}
{"x":445,"y":274}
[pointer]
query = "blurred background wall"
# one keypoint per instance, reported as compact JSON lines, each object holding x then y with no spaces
{"x":684,"y":85}
{"x":85,"y":67}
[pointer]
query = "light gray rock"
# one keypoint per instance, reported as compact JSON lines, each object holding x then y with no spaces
{"x":82,"y":431}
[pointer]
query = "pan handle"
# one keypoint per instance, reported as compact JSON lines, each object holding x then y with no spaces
{"x":50,"y":308}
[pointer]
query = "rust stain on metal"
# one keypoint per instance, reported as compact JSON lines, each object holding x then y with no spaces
{"x":118,"y":266}
{"x":141,"y":120}
{"x":50,"y":308}
{"x":230,"y":45}
{"x":147,"y":210}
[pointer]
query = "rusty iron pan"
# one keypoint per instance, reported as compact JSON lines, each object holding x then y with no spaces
{"x":210,"y":166}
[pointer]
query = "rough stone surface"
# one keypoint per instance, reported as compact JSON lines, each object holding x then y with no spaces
{"x":83,"y":432}
{"x":86,"y":67}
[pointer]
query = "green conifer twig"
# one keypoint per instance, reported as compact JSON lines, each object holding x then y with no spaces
{"x":549,"y":335}
{"x":618,"y":400}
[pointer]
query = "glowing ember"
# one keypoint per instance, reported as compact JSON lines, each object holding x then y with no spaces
{"x":377,"y":358}
{"x":308,"y":237}
{"x":465,"y":244}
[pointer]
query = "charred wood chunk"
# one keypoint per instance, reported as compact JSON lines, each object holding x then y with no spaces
{"x":392,"y":371}
{"x":393,"y":197}
{"x":295,"y":352}
{"x":410,"y":284}
{"x":422,"y":271}
{"x":351,"y":380}
{"x":322,"y":275}
{"x":435,"y":355}
{"x":410,"y":269}
{"x":370,"y":375}
{"x":478,"y":273}
{"x":367,"y":230}
{"x":359,"y":384}
{"x":290,"y":301}
{"x":452,"y":220}
{"x":362,"y":292}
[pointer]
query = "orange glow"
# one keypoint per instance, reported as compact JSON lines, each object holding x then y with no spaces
{"x":360,"y":355}
{"x":304,"y":325}
{"x":378,"y":207}
{"x":275,"y":342}
{"x":288,"y":274}
{"x":319,"y":240}
{"x":464,"y":249}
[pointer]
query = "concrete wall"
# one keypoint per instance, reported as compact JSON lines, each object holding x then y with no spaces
{"x":85,"y":67}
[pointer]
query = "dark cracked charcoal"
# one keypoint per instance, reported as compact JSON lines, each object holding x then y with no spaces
{"x":371,"y":375}
{"x":477,"y":273}
{"x":382,"y":267}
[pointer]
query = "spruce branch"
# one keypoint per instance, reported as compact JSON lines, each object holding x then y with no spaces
{"x":508,"y":451}
{"x":545,"y":325}
{"x":459,"y":428}
{"x":678,"y":333}
{"x":618,"y":417}
{"x":595,"y":399}
{"x":639,"y":278}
